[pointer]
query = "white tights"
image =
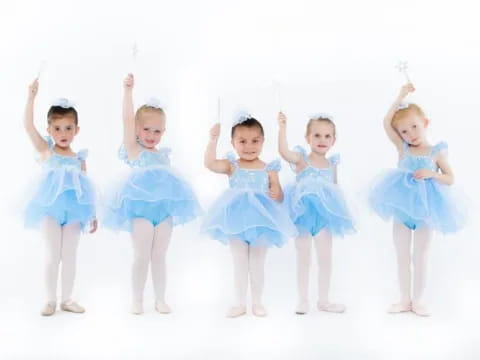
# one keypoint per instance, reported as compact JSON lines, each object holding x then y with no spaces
{"x":150,"y":244}
{"x":402,"y":237}
{"x":323,"y":246}
{"x":61,"y":247}
{"x":248,"y":261}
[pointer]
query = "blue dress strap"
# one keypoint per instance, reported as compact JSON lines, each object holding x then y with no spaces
{"x":273,"y":166}
{"x":82,"y":154}
{"x":439,"y":147}
{"x":405,"y":147}
{"x":334,"y":159}
{"x":230,"y":156}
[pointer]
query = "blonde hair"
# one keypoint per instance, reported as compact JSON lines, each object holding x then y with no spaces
{"x":147,"y":108}
{"x":404,"y":112}
{"x":321,"y":119}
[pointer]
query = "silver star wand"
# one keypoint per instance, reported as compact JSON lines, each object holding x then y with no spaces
{"x":402,"y":67}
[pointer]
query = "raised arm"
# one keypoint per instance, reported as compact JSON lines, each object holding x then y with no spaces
{"x":129,"y":136}
{"x":37,"y":140}
{"x":288,"y":155}
{"x":210,"y":160}
{"x":387,"y":121}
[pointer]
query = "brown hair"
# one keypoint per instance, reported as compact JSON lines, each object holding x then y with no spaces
{"x":321,"y":119}
{"x":147,"y":108}
{"x":58,"y":112}
{"x":403,"y":112}
{"x":249,"y":122}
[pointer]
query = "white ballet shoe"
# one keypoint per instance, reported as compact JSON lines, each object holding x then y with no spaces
{"x":73,"y":307}
{"x":236,"y":311}
{"x":137,"y":308}
{"x":302,"y":308}
{"x":420,"y":310}
{"x":162,"y":307}
{"x":49,"y":309}
{"x":259,"y":310}
{"x":331,"y":307}
{"x":400,"y":307}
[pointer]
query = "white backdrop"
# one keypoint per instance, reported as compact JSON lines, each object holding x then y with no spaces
{"x":336,"y":57}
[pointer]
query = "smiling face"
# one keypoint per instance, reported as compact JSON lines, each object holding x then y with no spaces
{"x":412,"y":128}
{"x":150,"y":127}
{"x":63,"y":130}
{"x":248,"y":142}
{"x":320,"y":136}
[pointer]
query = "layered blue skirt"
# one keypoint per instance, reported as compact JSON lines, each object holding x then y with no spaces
{"x":416,"y":203}
{"x":315,"y":204}
{"x":66,"y":196}
{"x":250,"y":216}
{"x":152,"y":193}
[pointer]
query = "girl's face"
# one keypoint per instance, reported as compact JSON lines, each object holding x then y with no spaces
{"x":321,"y":137}
{"x":150,"y":128}
{"x":412,"y":129}
{"x":63,"y":130}
{"x":247,"y":142}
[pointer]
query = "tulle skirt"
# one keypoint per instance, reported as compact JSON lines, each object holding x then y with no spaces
{"x":250,"y":216}
{"x":66,"y":196}
{"x":416,"y":203}
{"x":154,"y":194}
{"x":315,"y":204}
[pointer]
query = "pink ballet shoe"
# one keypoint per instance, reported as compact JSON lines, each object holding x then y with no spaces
{"x":400,"y":307}
{"x":420,"y":310}
{"x":236,"y":311}
{"x":331,"y":307}
{"x":259,"y":310}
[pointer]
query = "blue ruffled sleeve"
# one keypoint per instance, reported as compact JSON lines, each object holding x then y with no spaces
{"x":165,"y":154}
{"x":50,"y":142}
{"x":274,"y":166}
{"x":230,"y":156}
{"x":303,"y":154}
{"x":82,"y":154}
{"x":441,"y":146}
{"x":122,"y":153}
{"x":334,"y":159}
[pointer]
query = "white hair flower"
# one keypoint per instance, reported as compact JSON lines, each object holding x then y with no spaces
{"x":154,"y":102}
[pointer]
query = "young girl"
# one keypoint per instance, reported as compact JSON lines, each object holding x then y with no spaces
{"x":416,"y":195}
{"x":248,"y":215}
{"x":64,"y":202}
{"x":317,"y":206}
{"x":151,"y":200}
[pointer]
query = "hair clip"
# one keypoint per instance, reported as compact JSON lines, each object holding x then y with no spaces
{"x":403,"y":105}
{"x":63,"y":103}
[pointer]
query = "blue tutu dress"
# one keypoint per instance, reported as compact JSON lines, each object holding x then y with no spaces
{"x":416,"y":203}
{"x":246,"y":212}
{"x":152,"y":191}
{"x":65,"y":193}
{"x":315,"y":202}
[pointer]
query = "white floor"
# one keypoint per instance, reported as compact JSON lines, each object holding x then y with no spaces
{"x":199,"y":291}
